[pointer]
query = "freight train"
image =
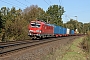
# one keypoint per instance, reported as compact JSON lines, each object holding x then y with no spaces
{"x":40,"y":29}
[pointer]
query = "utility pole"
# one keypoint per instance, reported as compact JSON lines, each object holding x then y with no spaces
{"x":76,"y":25}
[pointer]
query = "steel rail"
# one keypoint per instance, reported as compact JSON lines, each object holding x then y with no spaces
{"x":11,"y":47}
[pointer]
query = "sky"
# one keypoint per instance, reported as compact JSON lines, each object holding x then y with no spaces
{"x":79,"y":8}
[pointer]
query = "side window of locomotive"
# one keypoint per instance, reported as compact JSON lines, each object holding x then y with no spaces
{"x":45,"y":27}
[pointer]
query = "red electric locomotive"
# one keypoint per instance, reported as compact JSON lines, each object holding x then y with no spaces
{"x":39,"y":29}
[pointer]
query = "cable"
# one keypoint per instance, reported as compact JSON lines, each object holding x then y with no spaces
{"x":21,"y":3}
{"x":46,"y":2}
{"x":27,"y":1}
{"x":60,"y":1}
{"x":8,"y":3}
{"x":14,"y":3}
{"x":50,"y":1}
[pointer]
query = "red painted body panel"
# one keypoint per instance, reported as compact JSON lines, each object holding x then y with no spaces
{"x":43,"y":29}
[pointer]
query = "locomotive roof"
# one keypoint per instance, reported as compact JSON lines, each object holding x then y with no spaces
{"x":39,"y":22}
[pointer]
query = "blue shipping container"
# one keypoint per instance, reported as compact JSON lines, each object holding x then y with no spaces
{"x":61,"y":30}
{"x":72,"y":32}
{"x":56,"y":29}
{"x":64,"y":30}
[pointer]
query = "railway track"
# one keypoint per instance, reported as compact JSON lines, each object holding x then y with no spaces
{"x":12,"y":42}
{"x":12,"y":46}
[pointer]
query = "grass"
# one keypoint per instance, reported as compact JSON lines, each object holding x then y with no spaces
{"x":71,"y":51}
{"x":75,"y":52}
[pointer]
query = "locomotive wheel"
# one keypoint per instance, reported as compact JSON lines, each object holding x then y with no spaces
{"x":32,"y":38}
{"x":41,"y":38}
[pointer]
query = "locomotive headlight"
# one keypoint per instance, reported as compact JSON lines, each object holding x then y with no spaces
{"x":30,"y":30}
{"x":38,"y":31}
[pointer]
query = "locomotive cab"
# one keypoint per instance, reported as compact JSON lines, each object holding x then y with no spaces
{"x":35,"y":29}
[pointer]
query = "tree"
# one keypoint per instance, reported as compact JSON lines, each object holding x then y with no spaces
{"x":74,"y":23}
{"x":34,"y":13}
{"x":55,"y":13}
{"x":86,"y":27}
{"x":1,"y":22}
{"x":80,"y":27}
{"x":3,"y":14}
{"x":15,"y":25}
{"x":3,"y":18}
{"x":41,"y":15}
{"x":0,"y":19}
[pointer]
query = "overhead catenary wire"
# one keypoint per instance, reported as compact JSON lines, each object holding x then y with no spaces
{"x":27,"y":1}
{"x":50,"y":1}
{"x":46,"y":2}
{"x":8,"y":3}
{"x":14,"y":3}
{"x":21,"y":3}
{"x":60,"y":1}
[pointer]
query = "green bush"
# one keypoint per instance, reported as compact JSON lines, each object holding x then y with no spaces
{"x":88,"y":41}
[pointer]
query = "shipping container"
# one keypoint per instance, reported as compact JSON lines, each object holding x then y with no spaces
{"x":61,"y":30}
{"x":71,"y":32}
{"x":68,"y":31}
{"x":58,"y":29}
{"x":64,"y":30}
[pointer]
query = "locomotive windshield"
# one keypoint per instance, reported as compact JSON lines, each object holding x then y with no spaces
{"x":34,"y":24}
